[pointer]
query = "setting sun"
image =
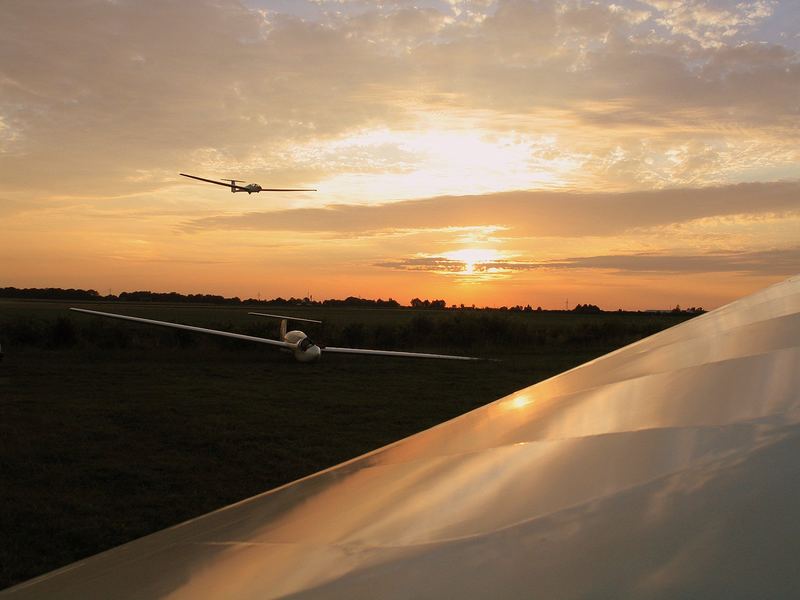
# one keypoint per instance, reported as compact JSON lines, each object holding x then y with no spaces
{"x":470,"y":257}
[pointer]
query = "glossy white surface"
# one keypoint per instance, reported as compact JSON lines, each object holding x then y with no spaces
{"x":667,"y":469}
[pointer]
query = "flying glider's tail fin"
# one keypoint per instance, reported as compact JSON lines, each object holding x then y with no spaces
{"x":233,"y":184}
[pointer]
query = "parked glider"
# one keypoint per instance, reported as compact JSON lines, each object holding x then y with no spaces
{"x":295,"y":341}
{"x":250,"y":188}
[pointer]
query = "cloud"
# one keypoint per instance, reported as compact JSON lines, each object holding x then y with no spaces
{"x":779,"y":262}
{"x":92,"y":91}
{"x":709,"y":22}
{"x":437,"y":264}
{"x":526,"y":214}
{"x":112,"y":87}
{"x":776,"y":262}
{"x":103,"y":102}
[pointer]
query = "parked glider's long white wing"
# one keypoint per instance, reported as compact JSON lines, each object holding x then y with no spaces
{"x":394,"y":353}
{"x":366,"y":351}
{"x":284,"y":317}
{"x":238,"y":336}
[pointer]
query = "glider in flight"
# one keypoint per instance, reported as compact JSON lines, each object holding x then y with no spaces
{"x":295,"y":341}
{"x":250,"y":188}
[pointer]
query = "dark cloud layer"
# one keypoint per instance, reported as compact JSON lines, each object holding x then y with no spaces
{"x":527,"y":214}
{"x":778,"y":262}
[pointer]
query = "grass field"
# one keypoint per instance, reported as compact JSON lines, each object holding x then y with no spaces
{"x":112,"y":430}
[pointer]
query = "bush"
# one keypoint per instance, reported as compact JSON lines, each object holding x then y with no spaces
{"x":62,"y":333}
{"x":353,"y":335}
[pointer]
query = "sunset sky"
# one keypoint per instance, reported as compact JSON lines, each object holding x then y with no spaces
{"x":635,"y":154}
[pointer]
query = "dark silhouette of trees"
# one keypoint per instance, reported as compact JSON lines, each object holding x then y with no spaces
{"x":147,"y":296}
{"x":362,"y":302}
{"x":695,"y":310}
{"x":350,"y":301}
{"x":587,"y":309}
{"x":436,"y":304}
{"x":49,"y":293}
{"x":175,"y":297}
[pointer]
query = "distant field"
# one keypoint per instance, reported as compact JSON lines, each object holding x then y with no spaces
{"x":112,"y":430}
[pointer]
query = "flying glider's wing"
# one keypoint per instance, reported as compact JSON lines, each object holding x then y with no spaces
{"x":287,"y":190}
{"x":394,"y":353}
{"x":227,"y":185}
{"x":238,"y":336}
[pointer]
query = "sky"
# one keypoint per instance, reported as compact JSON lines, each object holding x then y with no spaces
{"x":636,"y":154}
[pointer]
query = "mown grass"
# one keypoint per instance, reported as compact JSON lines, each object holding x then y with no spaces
{"x":112,"y":430}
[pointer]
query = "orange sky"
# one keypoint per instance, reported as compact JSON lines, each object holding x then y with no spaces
{"x":638,"y":154}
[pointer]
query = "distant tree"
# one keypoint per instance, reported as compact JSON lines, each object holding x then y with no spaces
{"x":586,"y":309}
{"x":353,"y":334}
{"x":417,"y":303}
{"x":353,"y":301}
{"x":63,"y":333}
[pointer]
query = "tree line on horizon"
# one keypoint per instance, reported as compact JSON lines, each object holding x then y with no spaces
{"x":148,"y":296}
{"x":350,"y":301}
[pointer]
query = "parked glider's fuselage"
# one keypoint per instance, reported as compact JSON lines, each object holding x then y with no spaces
{"x":305,"y":350}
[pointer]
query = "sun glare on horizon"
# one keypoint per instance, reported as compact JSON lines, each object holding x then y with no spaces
{"x":470,"y":257}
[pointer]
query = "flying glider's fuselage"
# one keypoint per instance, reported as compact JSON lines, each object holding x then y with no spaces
{"x":249,"y":188}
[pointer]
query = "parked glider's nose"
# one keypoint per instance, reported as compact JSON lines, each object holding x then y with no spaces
{"x":309,"y":353}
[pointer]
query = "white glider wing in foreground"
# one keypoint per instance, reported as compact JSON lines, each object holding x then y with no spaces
{"x":667,"y":469}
